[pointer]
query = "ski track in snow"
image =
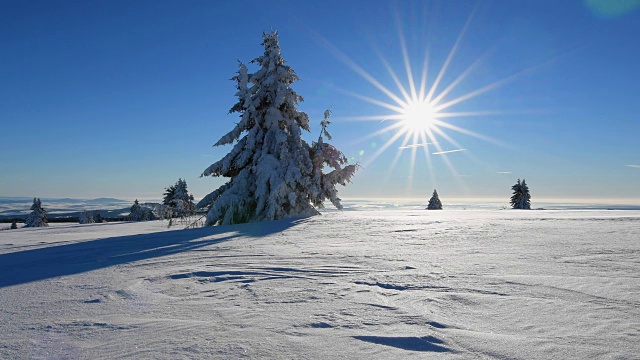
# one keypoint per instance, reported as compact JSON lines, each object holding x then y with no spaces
{"x":362,"y":285}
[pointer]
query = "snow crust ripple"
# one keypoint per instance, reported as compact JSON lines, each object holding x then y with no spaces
{"x":367,"y":284}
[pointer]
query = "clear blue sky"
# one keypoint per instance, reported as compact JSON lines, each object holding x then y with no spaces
{"x":121,"y":98}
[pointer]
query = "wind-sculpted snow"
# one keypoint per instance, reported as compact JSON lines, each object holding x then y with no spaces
{"x":361,"y":285}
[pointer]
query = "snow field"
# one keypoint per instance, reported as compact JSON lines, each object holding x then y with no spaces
{"x":364,"y":284}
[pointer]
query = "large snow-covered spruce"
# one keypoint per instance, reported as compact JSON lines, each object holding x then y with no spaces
{"x":273,"y":172}
{"x":434,"y":202}
{"x":521,"y":199}
{"x":38,"y":217}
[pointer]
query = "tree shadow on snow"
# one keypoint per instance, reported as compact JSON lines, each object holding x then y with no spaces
{"x":68,"y":259}
{"x":412,"y":343}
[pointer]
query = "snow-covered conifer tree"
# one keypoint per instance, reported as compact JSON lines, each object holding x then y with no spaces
{"x":14,"y":225}
{"x":517,"y":191}
{"x":97,"y":218}
{"x":135,"y":214}
{"x":182,"y":200}
{"x":86,"y":217}
{"x":168,"y":195}
{"x":141,"y":213}
{"x":38,"y":217}
{"x":525,"y":199}
{"x":177,"y":197}
{"x":323,"y":154}
{"x":270,"y":166}
{"x":434,"y":202}
{"x":521,"y":199}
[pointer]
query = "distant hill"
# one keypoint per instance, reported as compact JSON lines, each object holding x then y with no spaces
{"x":106,"y":200}
{"x":7,"y":199}
{"x":60,"y":208}
{"x":19,"y":199}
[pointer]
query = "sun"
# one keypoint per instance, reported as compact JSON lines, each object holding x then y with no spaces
{"x":417,"y":116}
{"x":421,"y":113}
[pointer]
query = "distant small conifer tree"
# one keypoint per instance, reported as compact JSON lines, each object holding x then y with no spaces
{"x":168,"y":195}
{"x":141,"y":213}
{"x":434,"y":202}
{"x":521,"y":199}
{"x":86,"y":217}
{"x":178,"y":200}
{"x":38,"y":217}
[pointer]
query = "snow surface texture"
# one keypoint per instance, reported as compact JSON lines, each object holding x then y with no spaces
{"x":360,"y":285}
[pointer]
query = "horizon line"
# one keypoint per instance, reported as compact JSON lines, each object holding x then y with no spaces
{"x":576,"y":200}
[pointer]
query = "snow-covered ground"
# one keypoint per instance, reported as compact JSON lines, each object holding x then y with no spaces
{"x":363,"y":284}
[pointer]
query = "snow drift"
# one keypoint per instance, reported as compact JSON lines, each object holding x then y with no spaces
{"x":365,"y":284}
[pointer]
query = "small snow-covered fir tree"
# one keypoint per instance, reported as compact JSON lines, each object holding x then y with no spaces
{"x":136,"y":212}
{"x":521,"y":199}
{"x":434,"y":202}
{"x":86,"y":217}
{"x":168,"y":195}
{"x":182,"y":200}
{"x":141,"y":213}
{"x":271,"y":168}
{"x":323,"y":186}
{"x":14,"y":225}
{"x":38,"y":217}
{"x":517,"y":192}
{"x":179,"y":200}
{"x":525,"y":199}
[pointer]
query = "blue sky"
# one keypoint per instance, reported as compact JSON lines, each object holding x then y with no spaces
{"x":121,"y":98}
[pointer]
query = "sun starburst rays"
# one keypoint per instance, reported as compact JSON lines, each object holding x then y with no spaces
{"x":418,"y":119}
{"x":421,"y":107}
